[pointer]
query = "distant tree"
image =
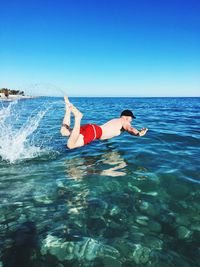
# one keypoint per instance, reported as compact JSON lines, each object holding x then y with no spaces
{"x":3,"y":90}
{"x":8,"y":92}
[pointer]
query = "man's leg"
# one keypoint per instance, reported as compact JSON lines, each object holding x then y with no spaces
{"x":65,"y":128}
{"x":72,"y":141}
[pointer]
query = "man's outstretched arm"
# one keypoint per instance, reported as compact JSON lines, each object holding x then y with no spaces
{"x":134,"y":131}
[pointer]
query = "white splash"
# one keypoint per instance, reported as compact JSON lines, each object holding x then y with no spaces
{"x":14,"y":143}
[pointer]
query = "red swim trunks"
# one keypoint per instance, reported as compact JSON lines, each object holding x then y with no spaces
{"x":90,"y":132}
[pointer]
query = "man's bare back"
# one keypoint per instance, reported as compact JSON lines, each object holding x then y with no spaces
{"x":82,"y":135}
{"x":113,"y":128}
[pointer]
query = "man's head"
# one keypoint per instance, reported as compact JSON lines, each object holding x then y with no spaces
{"x":128,"y":114}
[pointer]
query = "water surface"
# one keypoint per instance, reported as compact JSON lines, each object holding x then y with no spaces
{"x":128,"y":201}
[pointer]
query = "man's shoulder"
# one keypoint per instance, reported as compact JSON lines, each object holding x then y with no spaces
{"x":126,"y":124}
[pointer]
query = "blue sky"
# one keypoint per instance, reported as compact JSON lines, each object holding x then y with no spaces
{"x":101,"y":48}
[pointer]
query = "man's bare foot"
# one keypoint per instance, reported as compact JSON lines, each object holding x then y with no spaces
{"x":67,"y":103}
{"x":66,"y":100}
{"x":76,"y":112}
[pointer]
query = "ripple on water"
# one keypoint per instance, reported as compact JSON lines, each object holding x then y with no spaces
{"x":124,"y":202}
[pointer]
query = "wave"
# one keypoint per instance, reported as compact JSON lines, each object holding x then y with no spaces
{"x":15,"y":142}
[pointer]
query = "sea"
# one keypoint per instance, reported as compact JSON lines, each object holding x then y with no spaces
{"x":128,"y":201}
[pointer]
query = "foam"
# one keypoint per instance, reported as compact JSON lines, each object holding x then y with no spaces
{"x":15,"y":143}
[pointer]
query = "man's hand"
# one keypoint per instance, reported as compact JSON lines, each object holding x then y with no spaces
{"x":143,"y":131}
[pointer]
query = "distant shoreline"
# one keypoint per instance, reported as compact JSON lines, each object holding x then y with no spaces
{"x":16,"y":97}
{"x":19,"y":97}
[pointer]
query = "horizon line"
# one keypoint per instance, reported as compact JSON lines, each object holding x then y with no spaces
{"x":90,"y":96}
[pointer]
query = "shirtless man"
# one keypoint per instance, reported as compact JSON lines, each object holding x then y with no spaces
{"x":83,"y":135}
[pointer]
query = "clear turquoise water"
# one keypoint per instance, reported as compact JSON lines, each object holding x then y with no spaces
{"x":127,"y":201}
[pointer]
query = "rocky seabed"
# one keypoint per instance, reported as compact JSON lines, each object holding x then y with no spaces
{"x":139,"y":224}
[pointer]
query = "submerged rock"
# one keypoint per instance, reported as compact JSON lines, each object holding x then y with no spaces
{"x":108,"y":252}
{"x":134,"y":188}
{"x":111,"y":262}
{"x":148,"y":208}
{"x":113,"y":186}
{"x":178,"y":190}
{"x":136,"y":236}
{"x":141,"y":254}
{"x":142,"y":220}
{"x":87,"y":249}
{"x":124,"y":246}
{"x":96,"y":208}
{"x":182,"y":220}
{"x":154,"y":226}
{"x":154,"y":243}
{"x":3,"y":228}
{"x":115,"y":210}
{"x":2,"y":217}
{"x":183,"y":232}
{"x":195,"y":227}
{"x":96,"y":225}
